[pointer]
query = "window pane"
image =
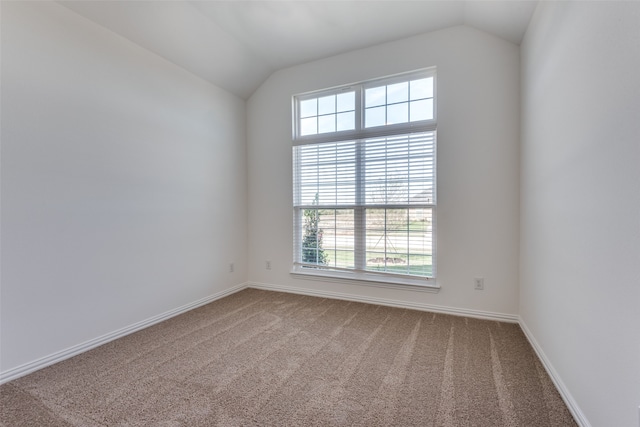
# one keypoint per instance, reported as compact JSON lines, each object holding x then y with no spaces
{"x":420,"y":220}
{"x":397,"y":219}
{"x":312,"y":256}
{"x":325,"y":174}
{"x":375,"y":183}
{"x":420,"y":242}
{"x":376,"y":261}
{"x":327,"y":104}
{"x":312,"y":252}
{"x":376,"y":243}
{"x":422,"y":88}
{"x":344,"y":238}
{"x":344,"y":241}
{"x":327,"y":123}
{"x":399,"y":170}
{"x":397,"y":263}
{"x":397,"y":113}
{"x":386,"y":246}
{"x":346,"y":121}
{"x":399,"y":241}
{"x":420,"y":265}
{"x":375,"y":219}
{"x":375,"y":96}
{"x":398,"y":92}
{"x":346,"y":101}
{"x":328,"y":237}
{"x":374,"y":117}
{"x":344,"y":259}
{"x":309,"y":107}
{"x":309,"y":126}
{"x":375,"y":257}
{"x":421,"y":110}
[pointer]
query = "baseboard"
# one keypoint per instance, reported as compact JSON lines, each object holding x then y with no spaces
{"x":59,"y":356}
{"x":486,"y":315}
{"x":575,"y":410}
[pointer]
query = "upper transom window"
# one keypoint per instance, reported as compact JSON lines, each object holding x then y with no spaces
{"x":369,"y":108}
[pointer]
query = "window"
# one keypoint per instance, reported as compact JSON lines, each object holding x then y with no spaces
{"x":364,"y":180}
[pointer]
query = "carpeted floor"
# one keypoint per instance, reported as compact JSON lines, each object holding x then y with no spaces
{"x":259,"y":358}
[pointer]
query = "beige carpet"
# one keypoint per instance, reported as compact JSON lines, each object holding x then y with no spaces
{"x":259,"y":358}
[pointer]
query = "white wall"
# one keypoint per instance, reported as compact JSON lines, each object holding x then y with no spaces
{"x":123,"y":183}
{"x":580,"y":224}
{"x":478,"y":155}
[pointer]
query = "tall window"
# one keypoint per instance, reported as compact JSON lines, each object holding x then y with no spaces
{"x":364,"y":180}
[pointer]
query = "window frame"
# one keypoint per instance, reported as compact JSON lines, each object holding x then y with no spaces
{"x":360,"y":132}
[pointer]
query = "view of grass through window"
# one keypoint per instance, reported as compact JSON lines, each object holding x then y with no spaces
{"x":397,"y":240}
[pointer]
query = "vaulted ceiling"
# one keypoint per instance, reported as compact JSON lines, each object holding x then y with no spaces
{"x":237,"y":44}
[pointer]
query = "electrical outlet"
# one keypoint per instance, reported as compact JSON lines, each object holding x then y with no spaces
{"x":268,"y":265}
{"x":231,"y":267}
{"x":478,"y":283}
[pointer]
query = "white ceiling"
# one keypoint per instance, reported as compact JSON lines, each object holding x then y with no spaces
{"x":237,"y":44}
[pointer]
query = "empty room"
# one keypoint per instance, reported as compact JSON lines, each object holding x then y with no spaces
{"x":329,"y":213}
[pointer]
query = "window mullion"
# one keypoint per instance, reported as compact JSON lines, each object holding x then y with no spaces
{"x":359,"y":232}
{"x":297,"y":241}
{"x":359,"y":112}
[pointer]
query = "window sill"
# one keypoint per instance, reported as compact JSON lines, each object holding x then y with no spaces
{"x":365,"y":279}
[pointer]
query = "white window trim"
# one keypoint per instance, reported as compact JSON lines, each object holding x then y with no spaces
{"x":373,"y":278}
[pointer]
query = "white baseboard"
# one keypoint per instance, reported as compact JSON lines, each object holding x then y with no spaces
{"x":575,"y":410}
{"x":486,"y":315}
{"x":59,"y":356}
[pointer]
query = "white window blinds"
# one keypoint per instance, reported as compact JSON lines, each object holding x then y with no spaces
{"x":387,"y":185}
{"x":396,"y":170}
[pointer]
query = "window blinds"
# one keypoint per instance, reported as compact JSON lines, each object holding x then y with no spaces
{"x":383,"y":172}
{"x":366,"y":205}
